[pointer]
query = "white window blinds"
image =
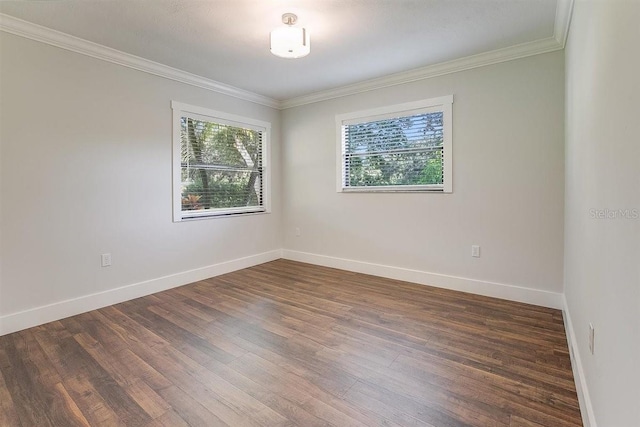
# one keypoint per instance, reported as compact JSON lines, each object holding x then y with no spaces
{"x":407,"y":150}
{"x":221,"y":166}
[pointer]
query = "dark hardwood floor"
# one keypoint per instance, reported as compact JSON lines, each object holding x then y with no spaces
{"x":291,"y":344}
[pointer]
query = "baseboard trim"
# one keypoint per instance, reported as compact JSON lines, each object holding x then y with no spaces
{"x":586,"y":408}
{"x":480,"y":287}
{"x":48,"y":313}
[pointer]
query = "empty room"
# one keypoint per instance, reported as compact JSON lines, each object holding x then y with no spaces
{"x":320,"y":213}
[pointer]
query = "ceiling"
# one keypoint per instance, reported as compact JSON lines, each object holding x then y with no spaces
{"x":352,"y":41}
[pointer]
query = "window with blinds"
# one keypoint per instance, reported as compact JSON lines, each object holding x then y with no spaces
{"x":403,"y":147}
{"x":219,"y":163}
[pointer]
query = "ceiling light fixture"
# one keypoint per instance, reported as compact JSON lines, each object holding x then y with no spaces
{"x":290,"y":41}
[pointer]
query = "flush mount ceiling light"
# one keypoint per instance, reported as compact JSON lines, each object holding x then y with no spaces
{"x":290,"y":41}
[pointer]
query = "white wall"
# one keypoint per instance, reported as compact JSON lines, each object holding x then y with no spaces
{"x":602,"y":256}
{"x":86,"y":169}
{"x":507,"y":183}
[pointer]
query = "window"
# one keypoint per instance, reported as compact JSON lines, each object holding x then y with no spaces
{"x":219,"y":163}
{"x":404,"y":147}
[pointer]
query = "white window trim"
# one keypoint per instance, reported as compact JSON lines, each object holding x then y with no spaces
{"x":443,"y":103}
{"x":179,"y":110}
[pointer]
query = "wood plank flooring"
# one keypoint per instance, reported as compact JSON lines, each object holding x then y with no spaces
{"x":291,"y":344}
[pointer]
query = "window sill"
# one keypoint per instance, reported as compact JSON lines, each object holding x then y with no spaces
{"x":414,"y":189}
{"x":225,"y":214}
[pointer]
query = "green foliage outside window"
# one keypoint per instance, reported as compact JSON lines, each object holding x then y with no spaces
{"x":395,"y":152}
{"x":221,"y":165}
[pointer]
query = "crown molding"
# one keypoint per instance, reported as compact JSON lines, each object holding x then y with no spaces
{"x":564,"y":11}
{"x":42,"y":34}
{"x":487,"y":58}
{"x":21,"y":28}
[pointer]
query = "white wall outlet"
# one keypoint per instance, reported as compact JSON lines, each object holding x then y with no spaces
{"x":298,"y":231}
{"x":105,"y":260}
{"x":475,"y":251}
{"x":591,"y":337}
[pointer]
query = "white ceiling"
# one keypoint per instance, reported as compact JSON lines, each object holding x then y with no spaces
{"x":351,"y":40}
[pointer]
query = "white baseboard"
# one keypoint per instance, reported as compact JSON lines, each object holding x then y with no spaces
{"x":48,"y":313}
{"x":586,"y":409}
{"x":36,"y":316}
{"x":480,"y":287}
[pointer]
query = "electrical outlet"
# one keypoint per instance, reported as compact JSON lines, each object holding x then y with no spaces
{"x":592,"y":332}
{"x":106,"y":260}
{"x":298,"y":231}
{"x":475,"y":251}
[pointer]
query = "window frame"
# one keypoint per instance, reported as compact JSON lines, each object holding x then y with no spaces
{"x":442,"y":104}
{"x":200,"y":113}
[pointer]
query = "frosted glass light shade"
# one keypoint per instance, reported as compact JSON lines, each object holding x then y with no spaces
{"x":290,"y":42}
